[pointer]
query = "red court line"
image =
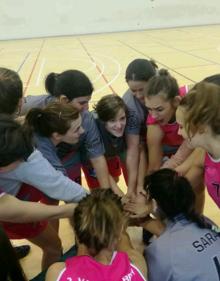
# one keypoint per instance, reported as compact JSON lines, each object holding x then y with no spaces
{"x":97,"y":67}
{"x":34,"y":65}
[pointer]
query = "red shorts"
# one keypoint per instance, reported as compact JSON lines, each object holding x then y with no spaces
{"x":27,"y":230}
{"x":114,"y":169}
{"x":72,"y":164}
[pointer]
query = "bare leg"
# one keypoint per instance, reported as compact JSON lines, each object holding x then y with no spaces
{"x":50,"y":243}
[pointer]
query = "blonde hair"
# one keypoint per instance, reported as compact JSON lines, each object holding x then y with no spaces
{"x":202,"y":107}
{"x":98,"y":220}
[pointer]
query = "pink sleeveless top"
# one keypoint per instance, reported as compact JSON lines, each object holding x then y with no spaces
{"x":85,"y":268}
{"x":212,"y":178}
{"x":171,"y":140}
{"x":171,"y":136}
{"x":183,"y":90}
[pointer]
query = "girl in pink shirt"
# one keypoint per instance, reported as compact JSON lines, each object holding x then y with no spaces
{"x":162,"y":98}
{"x":104,"y":250}
{"x":199,"y":121}
{"x":212,"y":177}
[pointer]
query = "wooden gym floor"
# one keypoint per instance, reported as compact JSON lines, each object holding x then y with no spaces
{"x":189,"y":53}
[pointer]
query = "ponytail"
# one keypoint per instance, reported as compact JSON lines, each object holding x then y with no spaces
{"x":163,"y":83}
{"x":37,"y":120}
{"x":50,"y":83}
{"x":70,"y":83}
{"x":55,"y":117}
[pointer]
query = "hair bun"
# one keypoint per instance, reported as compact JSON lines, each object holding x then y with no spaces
{"x":153,"y":62}
{"x":163,"y":72}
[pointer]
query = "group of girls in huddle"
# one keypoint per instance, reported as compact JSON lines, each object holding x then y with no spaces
{"x":155,"y":125}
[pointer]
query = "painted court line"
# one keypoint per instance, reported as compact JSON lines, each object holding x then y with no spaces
{"x":23,"y":62}
{"x":97,"y":67}
{"x":101,"y":72}
{"x":161,"y":42}
{"x":40,"y":72}
{"x":115,"y":77}
{"x":34,"y":65}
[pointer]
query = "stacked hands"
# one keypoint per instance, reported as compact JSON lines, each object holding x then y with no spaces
{"x":140,"y":210}
{"x":137,"y":207}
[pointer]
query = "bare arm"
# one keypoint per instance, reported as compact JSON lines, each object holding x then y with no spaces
{"x":103,"y":176}
{"x":154,"y":144}
{"x":185,"y":167}
{"x":115,"y":187}
{"x":180,"y":159}
{"x":132,"y":161}
{"x":197,"y":167}
{"x":101,"y":169}
{"x":142,"y":169}
{"x":17,"y":211}
{"x":197,"y":163}
{"x":112,"y":182}
{"x":196,"y":177}
{"x":54,"y":271}
{"x":135,"y":257}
